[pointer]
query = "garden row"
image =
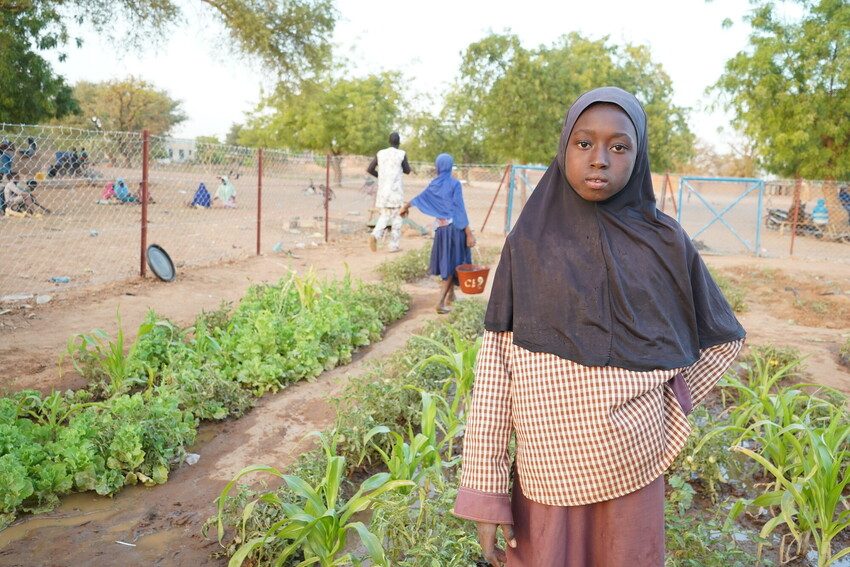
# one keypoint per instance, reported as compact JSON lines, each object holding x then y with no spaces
{"x":144,"y":402}
{"x":388,"y":470}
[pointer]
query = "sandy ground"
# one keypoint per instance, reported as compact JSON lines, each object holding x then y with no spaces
{"x":164,"y":522}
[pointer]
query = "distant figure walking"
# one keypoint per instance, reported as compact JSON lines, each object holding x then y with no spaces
{"x":388,"y":166}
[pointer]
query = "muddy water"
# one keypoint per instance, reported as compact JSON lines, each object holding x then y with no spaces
{"x":162,"y":525}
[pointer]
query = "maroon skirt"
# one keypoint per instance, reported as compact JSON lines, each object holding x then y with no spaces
{"x":624,"y":532}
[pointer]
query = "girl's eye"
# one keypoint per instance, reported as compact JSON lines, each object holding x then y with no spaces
{"x":620,"y":148}
{"x":583,"y":144}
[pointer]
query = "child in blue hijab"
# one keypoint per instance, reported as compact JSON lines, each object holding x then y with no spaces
{"x":202,"y":198}
{"x":122,"y":192}
{"x":453,"y":239}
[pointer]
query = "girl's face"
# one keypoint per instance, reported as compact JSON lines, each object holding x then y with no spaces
{"x":601,"y":152}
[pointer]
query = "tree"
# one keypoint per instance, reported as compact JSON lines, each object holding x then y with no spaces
{"x":512,"y":100}
{"x":290,"y":37}
{"x":790,"y":89}
{"x":29,"y":89}
{"x":128,"y":105}
{"x":740,"y":161}
{"x":330,"y":115}
{"x":232,"y":138}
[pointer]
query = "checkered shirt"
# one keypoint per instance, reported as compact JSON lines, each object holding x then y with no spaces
{"x":584,"y":434}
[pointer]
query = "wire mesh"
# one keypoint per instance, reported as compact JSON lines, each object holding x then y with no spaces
{"x":79,"y":226}
{"x":63,"y":231}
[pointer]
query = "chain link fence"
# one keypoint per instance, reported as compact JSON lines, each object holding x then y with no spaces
{"x":734,"y":216}
{"x":760,"y":219}
{"x":76,"y":218}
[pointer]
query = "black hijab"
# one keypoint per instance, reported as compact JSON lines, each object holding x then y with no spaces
{"x":614,"y":283}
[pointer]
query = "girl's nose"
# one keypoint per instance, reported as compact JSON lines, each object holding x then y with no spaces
{"x":600,"y":159}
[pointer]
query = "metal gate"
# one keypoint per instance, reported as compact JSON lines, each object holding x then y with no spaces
{"x":727,"y":204}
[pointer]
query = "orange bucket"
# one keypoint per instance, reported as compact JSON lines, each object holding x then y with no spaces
{"x":472,"y":278}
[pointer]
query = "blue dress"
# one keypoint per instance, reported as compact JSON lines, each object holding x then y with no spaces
{"x":443,"y":199}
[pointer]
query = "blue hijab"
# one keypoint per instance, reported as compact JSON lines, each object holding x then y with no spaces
{"x":202,"y":197}
{"x":121,"y":189}
{"x":443,"y":197}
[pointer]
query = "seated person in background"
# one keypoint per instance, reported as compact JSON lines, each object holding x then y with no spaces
{"x":30,"y":150}
{"x":18,"y":199}
{"x":108,"y":191}
{"x":4,"y":179}
{"x":122,"y":192}
{"x":7,"y":153}
{"x":844,"y":199}
{"x":202,"y":198}
{"x":226,"y":193}
{"x":820,"y":214}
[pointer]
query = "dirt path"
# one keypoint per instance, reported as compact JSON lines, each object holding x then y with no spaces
{"x":165,"y":522}
{"x":773,"y":310}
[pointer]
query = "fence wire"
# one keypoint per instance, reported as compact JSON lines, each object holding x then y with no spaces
{"x":74,"y":216}
{"x":81,"y":223}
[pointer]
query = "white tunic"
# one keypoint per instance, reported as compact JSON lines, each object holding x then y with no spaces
{"x":390,"y":186}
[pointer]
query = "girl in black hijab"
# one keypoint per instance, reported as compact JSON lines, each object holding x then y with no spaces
{"x":604,"y":328}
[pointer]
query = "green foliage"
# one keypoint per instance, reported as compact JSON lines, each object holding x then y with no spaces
{"x":318,"y":525}
{"x":460,"y":360}
{"x":126,"y":105}
{"x":789,"y":89}
{"x":693,"y":540}
{"x":297,"y":328}
{"x":105,"y":363}
{"x":155,"y":391}
{"x":76,"y":445}
{"x":419,"y":529}
{"x":30,"y":91}
{"x":383,"y":416}
{"x":291,"y":38}
{"x":327,"y":114}
{"x":511,"y":100}
{"x":408,"y":267}
{"x":733,"y":293}
{"x":800,"y":441}
{"x":705,"y":458}
{"x":810,"y":494}
{"x":404,"y":461}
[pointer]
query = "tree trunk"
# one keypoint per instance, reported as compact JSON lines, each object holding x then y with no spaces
{"x":336,"y":163}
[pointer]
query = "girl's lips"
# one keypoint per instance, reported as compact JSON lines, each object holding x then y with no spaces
{"x":596,"y":182}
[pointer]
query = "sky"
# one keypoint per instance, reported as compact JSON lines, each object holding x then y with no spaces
{"x":425,"y":40}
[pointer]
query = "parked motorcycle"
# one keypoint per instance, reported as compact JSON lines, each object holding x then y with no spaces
{"x":776,"y":219}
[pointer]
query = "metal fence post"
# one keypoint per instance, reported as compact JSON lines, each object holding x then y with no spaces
{"x":510,"y":204}
{"x":259,"y":196}
{"x":681,"y":190}
{"x":496,"y":196}
{"x":327,"y":192}
{"x":797,"y":187}
{"x":758,"y":217}
{"x":144,"y":197}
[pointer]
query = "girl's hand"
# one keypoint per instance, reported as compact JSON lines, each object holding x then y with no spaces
{"x":487,"y":539}
{"x":470,"y":241}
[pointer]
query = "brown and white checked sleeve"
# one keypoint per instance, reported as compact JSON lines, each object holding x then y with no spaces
{"x":704,"y":374}
{"x":485,"y":478}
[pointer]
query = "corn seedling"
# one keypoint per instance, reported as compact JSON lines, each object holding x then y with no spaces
{"x":52,"y":410}
{"x":405,"y":461}
{"x":810,"y":497}
{"x":461,"y":363}
{"x":319,"y":526}
{"x":94,"y":356}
